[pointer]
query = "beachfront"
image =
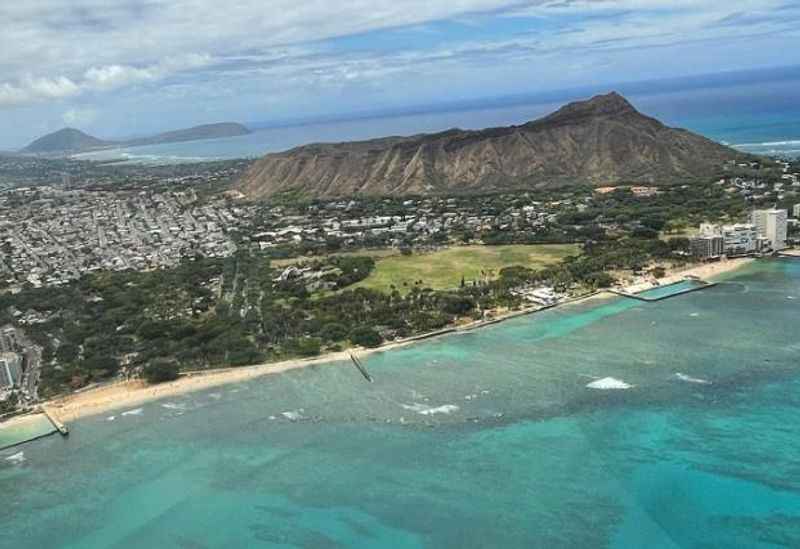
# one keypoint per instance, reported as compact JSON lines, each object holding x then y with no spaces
{"x":703,"y":272}
{"x":128,"y":394}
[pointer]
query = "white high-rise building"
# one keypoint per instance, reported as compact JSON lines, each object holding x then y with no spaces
{"x":771,"y":224}
{"x":740,"y":239}
{"x":10,"y":370}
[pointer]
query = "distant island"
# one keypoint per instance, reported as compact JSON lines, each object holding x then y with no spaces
{"x":601,"y":141}
{"x":71,"y":140}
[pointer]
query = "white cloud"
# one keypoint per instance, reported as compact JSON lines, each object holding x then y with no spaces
{"x":110,"y":77}
{"x":103,"y":78}
{"x":31,"y":89}
{"x":79,"y":117}
{"x":101,"y":45}
{"x":276,"y":47}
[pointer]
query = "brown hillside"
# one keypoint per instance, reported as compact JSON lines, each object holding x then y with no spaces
{"x":601,"y":141}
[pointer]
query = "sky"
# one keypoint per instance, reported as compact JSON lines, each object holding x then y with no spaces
{"x":119,"y":68}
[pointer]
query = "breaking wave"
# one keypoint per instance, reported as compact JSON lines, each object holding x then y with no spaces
{"x":789,"y":143}
{"x":19,"y":457}
{"x":294,"y":415}
{"x":609,"y":384}
{"x":431,"y":411}
{"x":688,"y":379}
{"x":136,"y":412}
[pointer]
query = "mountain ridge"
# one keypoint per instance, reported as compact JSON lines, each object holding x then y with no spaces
{"x":600,"y":141}
{"x":71,"y":140}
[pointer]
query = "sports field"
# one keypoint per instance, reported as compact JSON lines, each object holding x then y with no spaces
{"x":444,"y":269}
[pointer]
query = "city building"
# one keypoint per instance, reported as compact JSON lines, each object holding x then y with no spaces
{"x":730,"y":240}
{"x":740,"y":239}
{"x":707,"y":247}
{"x":771,"y":224}
{"x":10,"y":370}
{"x":796,"y":211}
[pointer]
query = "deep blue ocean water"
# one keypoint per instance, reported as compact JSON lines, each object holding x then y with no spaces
{"x":487,"y":439}
{"x":762,"y":117}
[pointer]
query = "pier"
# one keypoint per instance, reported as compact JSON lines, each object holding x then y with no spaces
{"x":361,"y":368}
{"x":58,"y":424}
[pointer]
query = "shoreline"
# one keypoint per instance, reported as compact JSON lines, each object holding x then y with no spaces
{"x":703,"y":272}
{"x":131,"y":394}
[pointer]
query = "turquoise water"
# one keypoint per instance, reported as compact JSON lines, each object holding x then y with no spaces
{"x":486,"y":439}
{"x":670,"y":289}
{"x":11,"y":434}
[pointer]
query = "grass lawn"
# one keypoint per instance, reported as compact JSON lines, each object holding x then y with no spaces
{"x":444,"y":269}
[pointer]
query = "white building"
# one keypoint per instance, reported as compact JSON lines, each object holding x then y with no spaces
{"x":707,"y":247}
{"x":740,"y":239}
{"x":714,"y":241}
{"x":10,"y":370}
{"x":771,"y":224}
{"x":796,"y":211}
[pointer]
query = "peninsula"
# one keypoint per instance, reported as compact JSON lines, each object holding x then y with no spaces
{"x":71,"y":140}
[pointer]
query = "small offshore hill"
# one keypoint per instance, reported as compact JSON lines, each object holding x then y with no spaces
{"x":70,"y":140}
{"x":66,"y":140}
{"x":601,"y":141}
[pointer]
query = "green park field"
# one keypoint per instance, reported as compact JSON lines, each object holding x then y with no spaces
{"x":444,"y":269}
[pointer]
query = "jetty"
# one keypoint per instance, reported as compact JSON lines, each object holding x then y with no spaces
{"x":60,"y":426}
{"x":361,"y":368}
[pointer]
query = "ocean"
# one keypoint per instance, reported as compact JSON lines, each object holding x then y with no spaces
{"x":486,"y":439}
{"x":757,"y":117}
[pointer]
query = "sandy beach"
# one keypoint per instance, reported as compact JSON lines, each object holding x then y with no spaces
{"x":23,"y":421}
{"x":705,"y":271}
{"x":130,"y":394}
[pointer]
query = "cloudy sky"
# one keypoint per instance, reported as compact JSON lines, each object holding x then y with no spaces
{"x":125,"y":67}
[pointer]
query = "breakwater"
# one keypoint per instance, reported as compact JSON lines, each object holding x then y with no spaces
{"x":25,"y":429}
{"x":660,"y":293}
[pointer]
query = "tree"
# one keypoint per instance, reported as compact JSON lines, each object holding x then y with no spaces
{"x":600,"y":280}
{"x":366,"y":337}
{"x":67,"y":352}
{"x":307,"y":346}
{"x":101,"y":366}
{"x":160,"y":371}
{"x":458,"y":305}
{"x":333,"y":331}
